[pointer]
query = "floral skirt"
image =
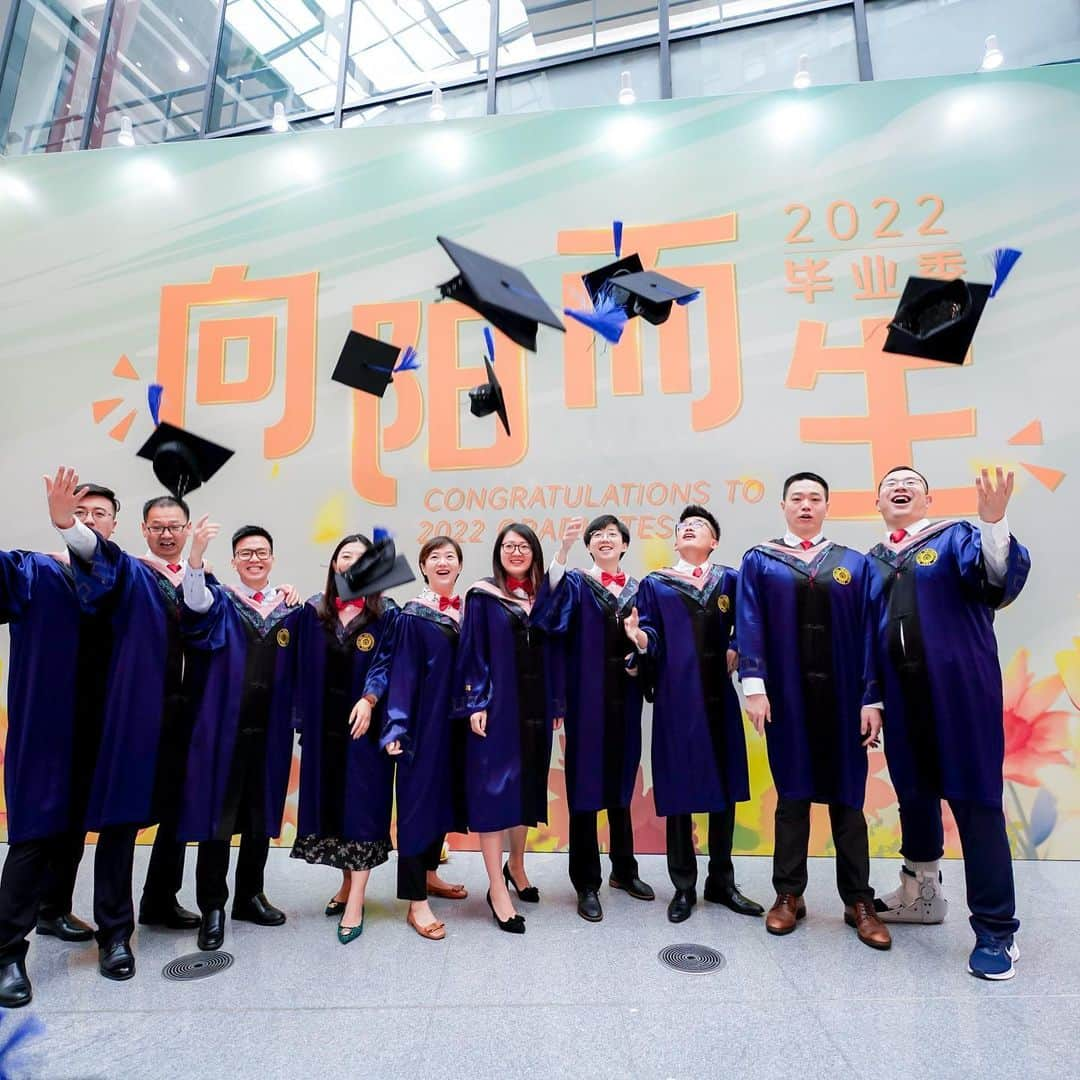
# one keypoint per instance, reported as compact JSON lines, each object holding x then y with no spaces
{"x":341,"y":854}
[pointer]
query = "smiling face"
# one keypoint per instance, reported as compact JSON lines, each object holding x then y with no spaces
{"x":442,"y":567}
{"x":695,"y":540}
{"x":903,"y":498}
{"x":515,"y":555}
{"x":166,"y":530}
{"x":805,"y":507}
{"x":348,"y":555}
{"x":98,"y":513}
{"x":253,"y":560}
{"x":607,"y":546}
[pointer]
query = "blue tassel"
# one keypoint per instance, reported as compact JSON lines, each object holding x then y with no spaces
{"x":153,"y":399}
{"x":616,"y":232}
{"x":1004,"y":259}
{"x":610,"y":328}
{"x":408,"y":361}
{"x":688,"y":299}
{"x":11,"y":1041}
{"x":489,"y":341}
{"x":380,"y":534}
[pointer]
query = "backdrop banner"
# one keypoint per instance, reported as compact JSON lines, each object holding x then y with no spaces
{"x":230,"y":270}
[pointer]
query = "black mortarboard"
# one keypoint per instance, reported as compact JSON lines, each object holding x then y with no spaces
{"x":597,"y":279}
{"x":378,"y":569}
{"x":936,"y":319}
{"x":502,"y":294}
{"x":182,"y":461}
{"x":488,"y":398}
{"x":366,"y":364}
{"x":650,"y":295}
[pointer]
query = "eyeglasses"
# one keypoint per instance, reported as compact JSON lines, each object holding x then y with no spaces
{"x":256,"y":554}
{"x":98,"y":514}
{"x":160,"y":530}
{"x":907,"y":482}
{"x":515,"y":549}
{"x":614,"y":536}
{"x":693,"y":523}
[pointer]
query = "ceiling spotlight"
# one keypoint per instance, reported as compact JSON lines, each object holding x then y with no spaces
{"x":183,"y":65}
{"x":437,"y":110}
{"x":802,"y":73}
{"x":626,"y":89}
{"x":279,"y":123}
{"x":993,"y":57}
{"x":126,"y":136}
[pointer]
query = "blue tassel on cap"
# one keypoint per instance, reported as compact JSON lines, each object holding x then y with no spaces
{"x":1004,"y":259}
{"x":380,"y":534}
{"x":153,"y":399}
{"x":688,"y":299}
{"x":408,"y":361}
{"x":608,"y":319}
{"x":489,"y":341}
{"x":616,"y":232}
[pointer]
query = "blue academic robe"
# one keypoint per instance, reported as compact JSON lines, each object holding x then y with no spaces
{"x":58,"y":663}
{"x":944,"y":735}
{"x":511,"y":669}
{"x":806,"y":628}
{"x":603,"y":699}
{"x":145,"y":735}
{"x":417,"y":712}
{"x":346,"y":784}
{"x":240,"y":690}
{"x":698,"y":743}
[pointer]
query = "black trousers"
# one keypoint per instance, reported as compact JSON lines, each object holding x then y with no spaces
{"x":25,"y":876}
{"x":682,"y":859}
{"x":212,"y":870}
{"x":849,"y":838}
{"x":412,"y":871}
{"x":165,"y":874}
{"x":585,"y":849}
{"x":59,"y":887}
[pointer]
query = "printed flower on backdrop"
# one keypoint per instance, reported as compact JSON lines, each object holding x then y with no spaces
{"x":1035,"y":735}
{"x":1068,"y":665}
{"x":288,"y":822}
{"x":649,"y":834}
{"x":555,"y":834}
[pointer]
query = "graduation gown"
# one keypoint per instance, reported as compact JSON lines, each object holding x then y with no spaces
{"x":513,"y":670}
{"x":805,"y":627}
{"x":430,"y":792}
{"x":698,"y":743}
{"x":58,"y":665}
{"x":240,"y":690}
{"x":944,"y":734}
{"x":346,"y":784}
{"x":603,"y":701}
{"x":145,"y":728}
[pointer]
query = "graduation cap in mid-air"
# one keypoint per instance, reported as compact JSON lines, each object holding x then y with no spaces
{"x":936,"y":320}
{"x":378,"y":569}
{"x":368,"y":364}
{"x":501,"y":293}
{"x":489,"y":398}
{"x":182,"y":460}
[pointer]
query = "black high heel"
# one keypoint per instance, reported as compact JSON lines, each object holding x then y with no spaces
{"x":530,"y":894}
{"x":514,"y":925}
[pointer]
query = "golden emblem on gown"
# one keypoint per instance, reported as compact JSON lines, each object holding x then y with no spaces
{"x":283,"y":637}
{"x":842,"y":575}
{"x":365,"y":642}
{"x":926,"y":557}
{"x":723,"y":602}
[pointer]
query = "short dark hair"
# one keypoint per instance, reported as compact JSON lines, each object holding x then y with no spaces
{"x":434,"y":544}
{"x":536,"y":571}
{"x":251,"y":530}
{"x":165,"y":500}
{"x":811,"y":476}
{"x":602,"y":522}
{"x":102,"y":492}
{"x":693,"y":510}
{"x":905,"y":468}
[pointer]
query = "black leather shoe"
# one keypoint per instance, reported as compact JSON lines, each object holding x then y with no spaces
{"x":530,"y":894}
{"x":635,"y":887}
{"x":682,"y":904}
{"x":172,"y":916}
{"x":258,"y":910}
{"x":334,"y":908}
{"x":116,"y":961}
{"x":588,"y":906}
{"x":212,"y":930}
{"x":730,"y":897}
{"x":65,"y":927}
{"x":15,"y":989}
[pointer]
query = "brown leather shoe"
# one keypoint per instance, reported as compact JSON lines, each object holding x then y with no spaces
{"x":871,"y":930}
{"x":784,"y":914}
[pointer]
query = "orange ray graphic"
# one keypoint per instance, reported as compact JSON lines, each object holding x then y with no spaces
{"x":1030,"y":435}
{"x":119,"y":433}
{"x":1049,"y":478}
{"x":104,"y":407}
{"x":124,"y":369}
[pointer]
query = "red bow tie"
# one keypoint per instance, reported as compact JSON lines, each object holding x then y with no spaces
{"x":606,"y":578}
{"x":257,"y":597}
{"x":524,"y":584}
{"x":699,"y":571}
{"x":806,"y":545}
{"x":341,"y":605}
{"x":173,"y":568}
{"x":897,"y":536}
{"x":449,"y":601}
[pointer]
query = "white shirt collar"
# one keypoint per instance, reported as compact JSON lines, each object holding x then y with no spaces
{"x":685,"y":567}
{"x":268,"y":591}
{"x":911,"y":529}
{"x":159,"y":561}
{"x":793,"y":541}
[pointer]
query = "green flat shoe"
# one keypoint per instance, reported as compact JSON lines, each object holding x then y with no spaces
{"x":345,"y":934}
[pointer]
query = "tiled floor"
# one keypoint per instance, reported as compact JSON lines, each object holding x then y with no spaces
{"x":569,"y":999}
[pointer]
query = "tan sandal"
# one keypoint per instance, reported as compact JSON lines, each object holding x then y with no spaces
{"x":435,"y":931}
{"x":448,"y":892}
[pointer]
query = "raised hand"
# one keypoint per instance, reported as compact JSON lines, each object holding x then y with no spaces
{"x":993,"y":497}
{"x":478,"y":723}
{"x":870,"y":726}
{"x":205,"y":530}
{"x":759,"y":711}
{"x":573,"y":531}
{"x":360,"y":718}
{"x":63,"y":494}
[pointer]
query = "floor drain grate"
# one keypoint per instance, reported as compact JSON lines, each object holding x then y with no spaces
{"x":197,"y":965}
{"x":692,"y":959}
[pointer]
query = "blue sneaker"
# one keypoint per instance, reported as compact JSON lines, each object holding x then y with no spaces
{"x":992,"y":959}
